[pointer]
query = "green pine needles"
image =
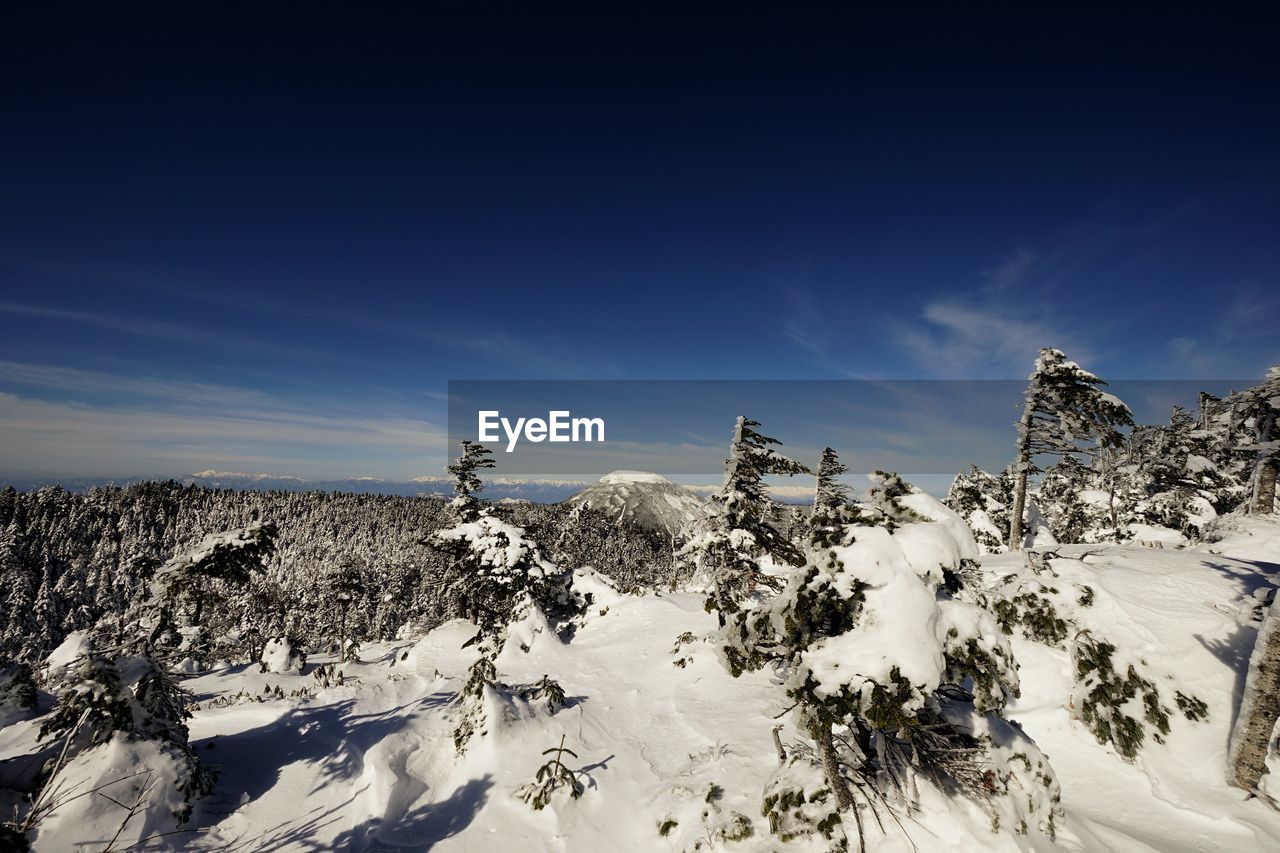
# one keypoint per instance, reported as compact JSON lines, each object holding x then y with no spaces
{"x":550,"y":778}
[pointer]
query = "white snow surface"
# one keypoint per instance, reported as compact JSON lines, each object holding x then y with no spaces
{"x":370,"y":765}
{"x":616,"y":477}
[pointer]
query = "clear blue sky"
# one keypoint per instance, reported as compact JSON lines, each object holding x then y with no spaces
{"x":259,"y":240}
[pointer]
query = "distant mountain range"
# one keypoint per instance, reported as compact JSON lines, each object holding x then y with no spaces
{"x":649,"y":498}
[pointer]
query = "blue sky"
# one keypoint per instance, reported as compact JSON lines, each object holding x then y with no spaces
{"x":265,"y":242}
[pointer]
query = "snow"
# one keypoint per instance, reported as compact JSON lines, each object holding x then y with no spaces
{"x":117,"y":773}
{"x":369,"y":765}
{"x":1184,"y":618}
{"x":74,"y":647}
{"x":617,"y":477}
{"x":279,"y":656}
{"x":647,"y":500}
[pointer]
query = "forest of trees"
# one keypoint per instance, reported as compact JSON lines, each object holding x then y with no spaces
{"x":1111,"y":480}
{"x":67,"y":559}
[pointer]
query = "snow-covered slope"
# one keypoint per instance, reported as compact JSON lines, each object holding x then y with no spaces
{"x":663,"y":734}
{"x":647,"y":499}
{"x":1185,"y":619}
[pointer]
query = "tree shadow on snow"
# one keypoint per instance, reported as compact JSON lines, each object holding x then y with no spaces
{"x":1268,"y":574}
{"x":331,"y":736}
{"x":1234,"y":652}
{"x":420,"y":828}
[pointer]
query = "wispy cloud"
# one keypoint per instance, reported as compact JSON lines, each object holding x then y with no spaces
{"x":805,"y":324}
{"x":95,"y":423}
{"x":1011,"y":272}
{"x":184,"y":334}
{"x":981,"y":338}
{"x":1238,"y":339}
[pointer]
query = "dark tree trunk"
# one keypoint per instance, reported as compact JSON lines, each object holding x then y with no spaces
{"x":1264,"y":487}
{"x":831,"y":766}
{"x":1019,"y":507}
{"x":1022,"y":466}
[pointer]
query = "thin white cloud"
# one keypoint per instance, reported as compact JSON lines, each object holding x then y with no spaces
{"x":156,"y":426}
{"x":187,"y":335}
{"x":1012,"y":271}
{"x":1242,"y":330}
{"x":979,"y":339}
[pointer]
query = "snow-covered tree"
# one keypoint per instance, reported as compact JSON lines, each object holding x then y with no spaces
{"x":228,"y":558}
{"x":982,"y":500}
{"x":164,"y":713}
{"x":343,"y":586}
{"x":497,"y":576}
{"x":1254,"y":729}
{"x":892,"y":678}
{"x":17,"y":691}
{"x":137,"y":697}
{"x":1257,"y":425}
{"x":732,"y":544}
{"x":1063,"y":412}
{"x":466,"y":480}
{"x":830,"y":500}
{"x":92,"y":705}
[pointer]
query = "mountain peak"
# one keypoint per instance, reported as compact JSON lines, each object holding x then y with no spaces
{"x":614,"y":478}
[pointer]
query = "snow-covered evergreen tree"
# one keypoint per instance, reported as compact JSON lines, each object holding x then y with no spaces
{"x":982,"y":500}
{"x":466,"y":479}
{"x":1257,"y":426}
{"x":229,"y":558}
{"x":893,"y":679}
{"x":731,"y":546}
{"x":1062,"y":499}
{"x":343,"y":586}
{"x":135,"y":696}
{"x":210,"y":576}
{"x":164,"y":713}
{"x":1063,"y":412}
{"x":92,"y":705}
{"x":18,"y":692}
{"x":497,"y":576}
{"x":830,"y":500}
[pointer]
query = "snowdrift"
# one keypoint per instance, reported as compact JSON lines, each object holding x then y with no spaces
{"x":673,"y":752}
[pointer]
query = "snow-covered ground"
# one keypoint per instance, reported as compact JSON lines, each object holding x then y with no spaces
{"x":662,"y":733}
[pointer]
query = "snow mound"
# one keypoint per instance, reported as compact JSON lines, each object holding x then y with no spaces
{"x":279,"y":655}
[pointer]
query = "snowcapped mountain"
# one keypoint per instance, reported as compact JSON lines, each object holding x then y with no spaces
{"x":647,"y":499}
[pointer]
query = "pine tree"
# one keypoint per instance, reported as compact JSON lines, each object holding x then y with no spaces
{"x":466,"y":480}
{"x":738,"y":535}
{"x":1063,"y":412}
{"x":229,"y":558}
{"x":92,"y":706}
{"x":1257,"y":424}
{"x":856,"y":636}
{"x":164,"y":705}
{"x":1071,"y":519}
{"x":830,"y":500}
{"x":497,"y":575}
{"x":17,"y":593}
{"x":343,"y":587}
